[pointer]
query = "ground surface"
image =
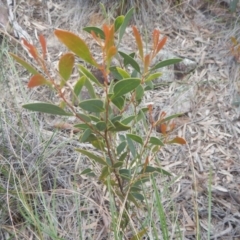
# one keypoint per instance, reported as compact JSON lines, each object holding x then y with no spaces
{"x":205,"y":171}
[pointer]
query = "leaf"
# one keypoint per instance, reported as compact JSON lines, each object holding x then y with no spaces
{"x":79,"y":85}
{"x":121,"y":147}
{"x":115,"y":118}
{"x":65,"y":66}
{"x":146,"y":62}
{"x":150,"y":169}
{"x":138,"y":40}
{"x":119,"y":102}
{"x":166,"y":63}
{"x":94,"y":118}
{"x":111,"y":53}
{"x":125,"y":24}
{"x":163,"y":128}
{"x":90,"y":88}
{"x":131,"y":147}
{"x":31,"y":49}
{"x":153,"y":76}
{"x":92,"y":105}
{"x":115,"y":73}
{"x":149,"y":86}
{"x":46,"y":108}
{"x":135,"y":189}
{"x":43,"y":43}
{"x":139,"y":93}
{"x":76,"y":45}
{"x":124,"y":86}
{"x":178,"y":140}
{"x":105,"y":172}
{"x":109,"y":36}
{"x":84,"y":117}
{"x":161,"y":44}
{"x":98,"y":144}
{"x":123,"y":73}
{"x":127,"y":120}
{"x":130,"y":60}
{"x":122,"y":137}
{"x":28,"y":67}
{"x":156,"y":141}
{"x":37,"y":80}
{"x":108,"y":161}
{"x":92,"y":138}
{"x":138,"y":196}
{"x":86,"y":135}
{"x":98,"y":31}
{"x":118,"y":22}
{"x":162,"y":171}
{"x":171,"y":117}
{"x":101,"y":126}
{"x":141,"y":116}
{"x":118,"y":127}
{"x":117,"y":164}
{"x":89,"y":75}
{"x":156,"y":35}
{"x":112,"y":119}
{"x":141,"y":180}
{"x":86,"y":171}
{"x":123,"y":157}
{"x":132,"y":199}
{"x":62,"y":104}
{"x":135,"y":138}
{"x":81,"y":126}
{"x":92,"y":156}
{"x":125,"y":173}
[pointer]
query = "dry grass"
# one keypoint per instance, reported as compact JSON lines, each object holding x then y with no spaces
{"x":43,"y":196}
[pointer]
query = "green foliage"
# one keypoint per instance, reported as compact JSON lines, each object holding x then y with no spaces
{"x":46,"y":108}
{"x":115,"y":123}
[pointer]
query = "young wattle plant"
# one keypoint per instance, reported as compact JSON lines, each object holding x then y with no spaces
{"x":124,"y":154}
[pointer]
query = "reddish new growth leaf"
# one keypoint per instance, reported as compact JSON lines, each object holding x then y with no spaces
{"x":178,"y":140}
{"x":138,"y":40}
{"x":98,"y":39}
{"x":36,"y":80}
{"x":156,"y":34}
{"x":157,"y":45}
{"x":111,"y":52}
{"x":161,"y":44}
{"x":163,"y":128}
{"x":32,"y":50}
{"x":146,"y":62}
{"x":109,"y":36}
{"x":43,"y":43}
